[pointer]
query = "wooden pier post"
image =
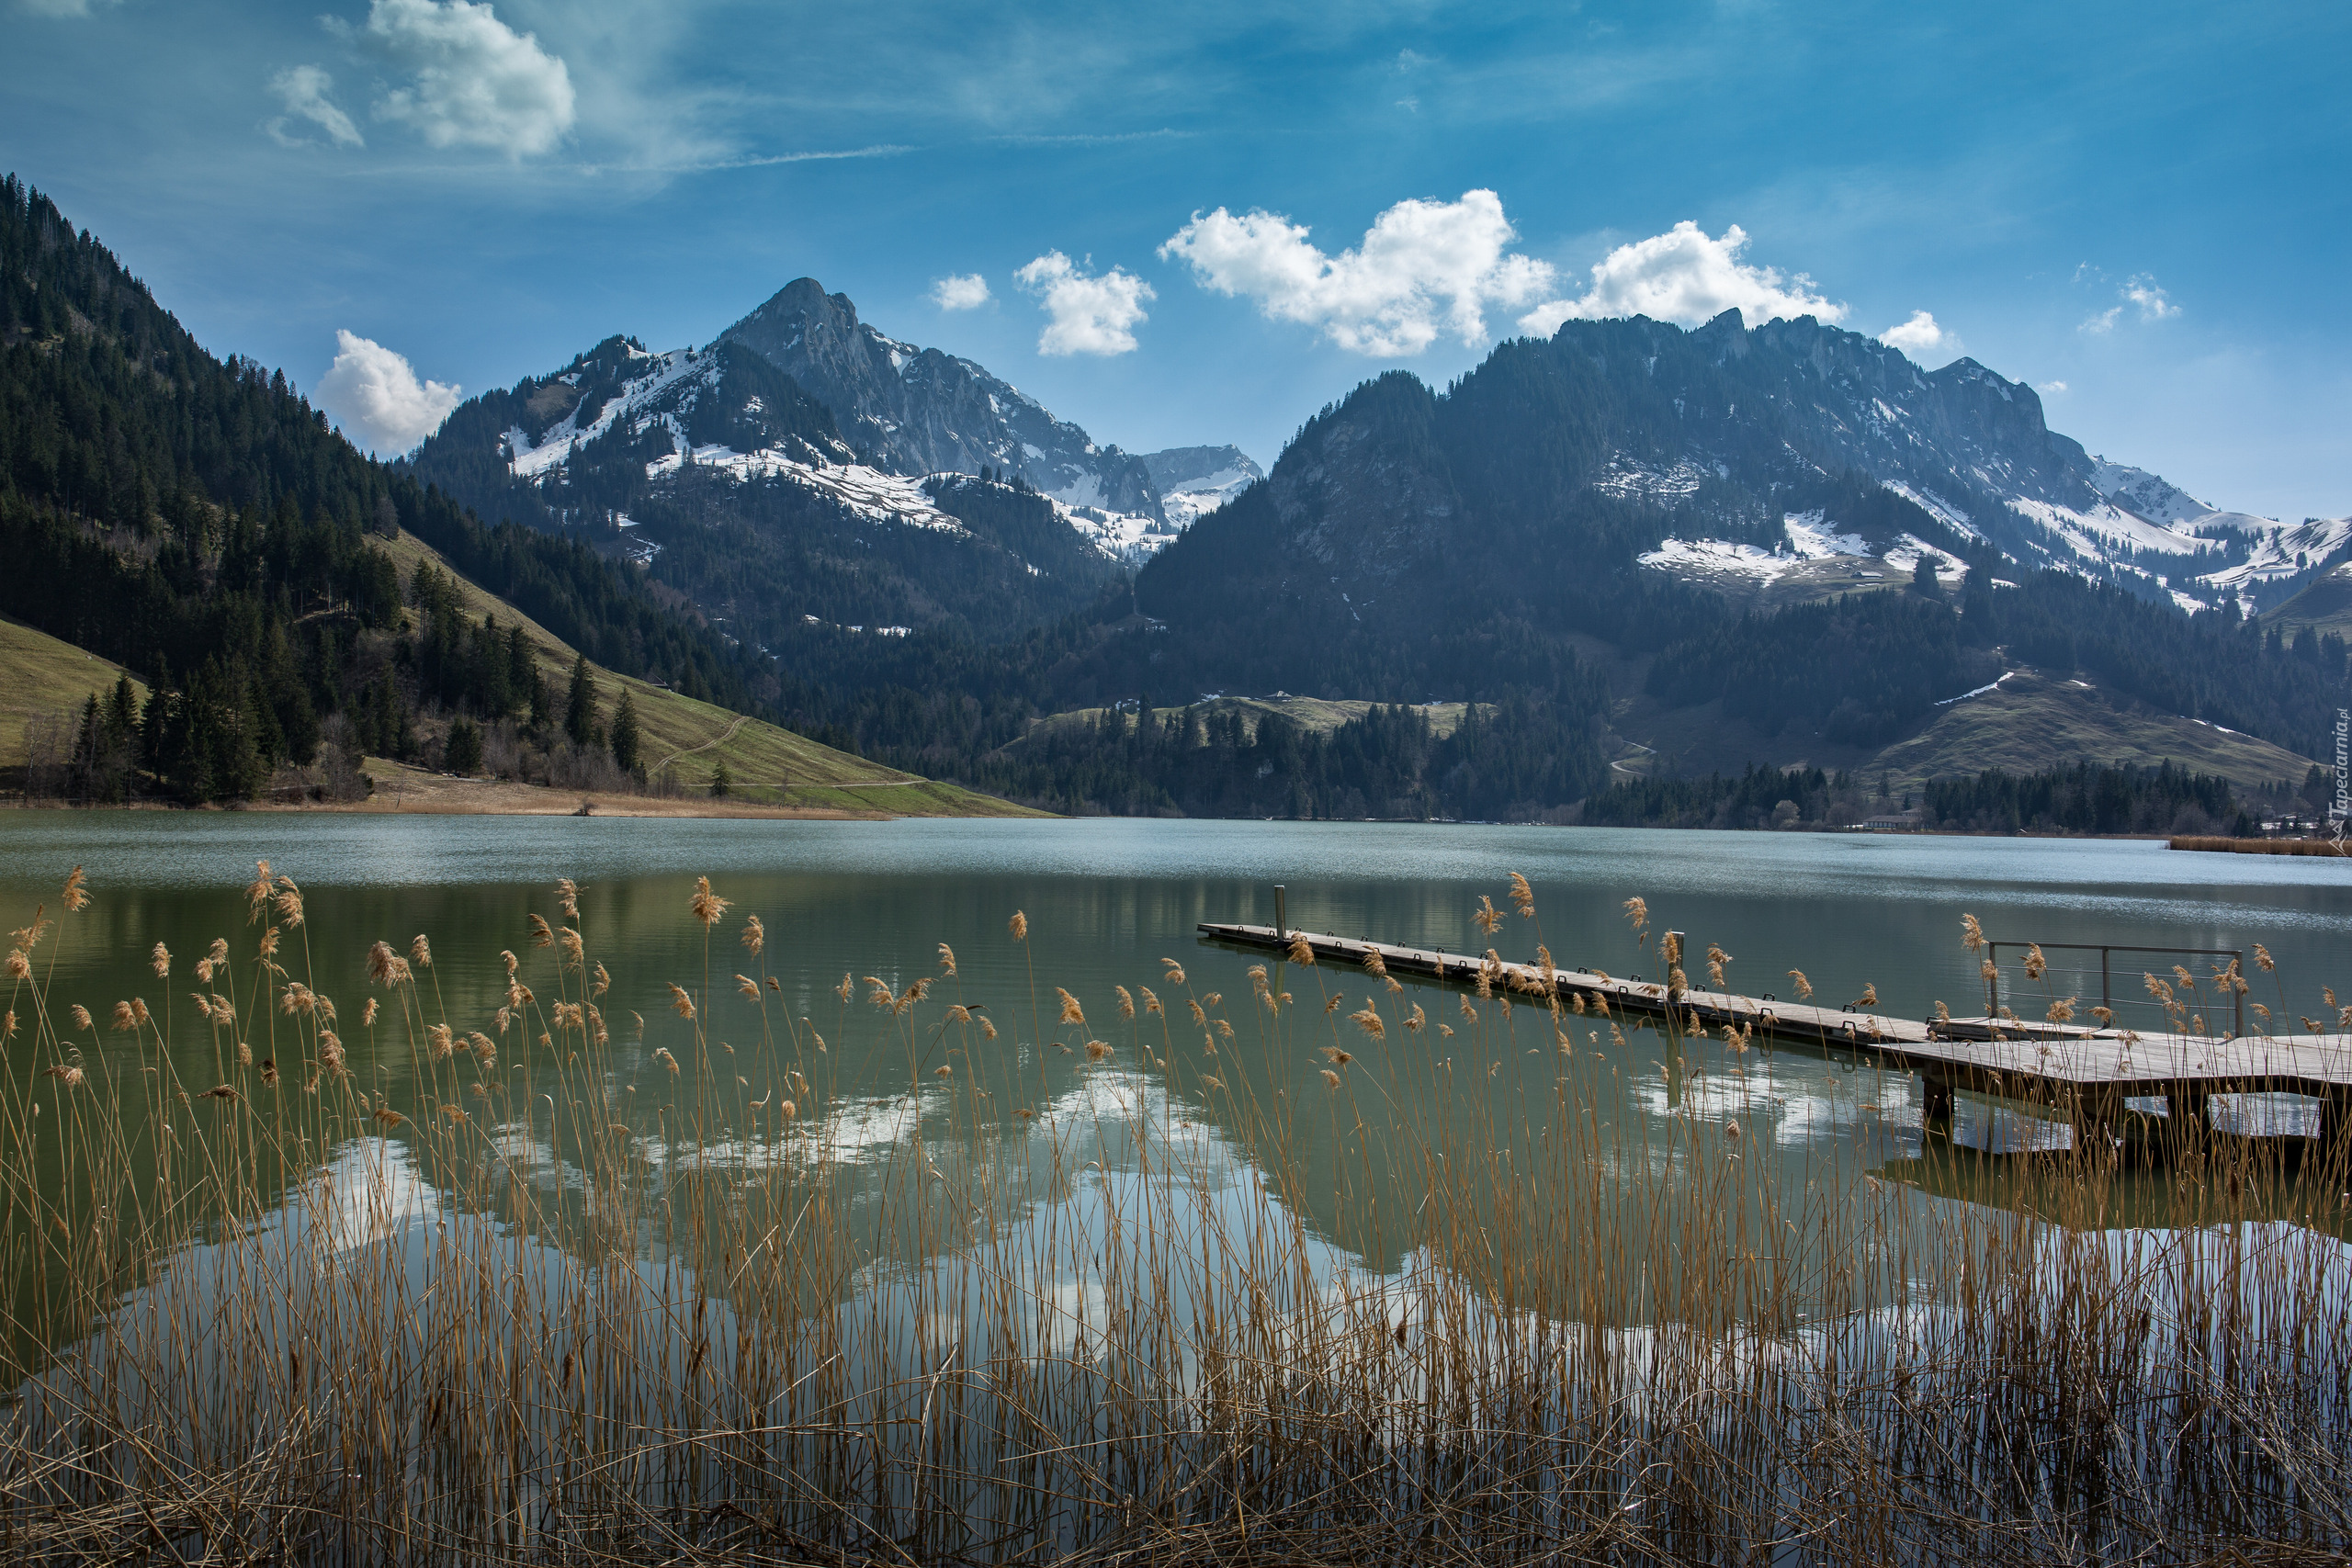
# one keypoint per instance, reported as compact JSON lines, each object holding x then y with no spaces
{"x":1281,"y":917}
{"x":1935,"y":1103}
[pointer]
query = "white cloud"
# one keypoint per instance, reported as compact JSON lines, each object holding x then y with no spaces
{"x":472,"y":80}
{"x":1684,"y":277}
{"x":1917,"y":335}
{"x":2139,"y":289}
{"x":960,"y":291}
{"x":1423,"y":267}
{"x":378,"y":398}
{"x":1085,"y":315}
{"x":303,"y":90}
{"x":2050,"y":387}
{"x":61,"y":7}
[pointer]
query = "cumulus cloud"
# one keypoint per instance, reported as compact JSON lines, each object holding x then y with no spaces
{"x":1917,"y":335}
{"x":303,"y":90}
{"x":1683,"y":275}
{"x":2138,"y":290}
{"x":2050,"y":387}
{"x":960,"y":291}
{"x":471,"y":81}
{"x":1423,"y":268}
{"x":375,"y":395}
{"x":1084,"y":314}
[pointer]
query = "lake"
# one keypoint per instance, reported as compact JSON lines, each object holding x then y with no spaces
{"x":1107,"y":900}
{"x":1076,"y":1247}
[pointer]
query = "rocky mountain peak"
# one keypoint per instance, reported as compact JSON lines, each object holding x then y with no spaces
{"x":923,"y":411}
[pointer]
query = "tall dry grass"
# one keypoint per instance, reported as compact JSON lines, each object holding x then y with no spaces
{"x":1160,"y":1275}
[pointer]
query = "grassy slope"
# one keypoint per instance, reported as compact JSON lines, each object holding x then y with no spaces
{"x":2032,"y":723}
{"x":769,"y":765}
{"x":40,"y":674}
{"x":2326,"y":604}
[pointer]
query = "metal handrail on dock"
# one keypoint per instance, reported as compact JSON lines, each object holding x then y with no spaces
{"x":2090,"y":1072}
{"x":2236,"y":956}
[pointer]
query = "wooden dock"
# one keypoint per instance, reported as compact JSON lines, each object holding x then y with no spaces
{"x":2087,"y":1074}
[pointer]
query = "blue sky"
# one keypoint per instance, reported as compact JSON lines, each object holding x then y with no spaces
{"x":2147,"y":203}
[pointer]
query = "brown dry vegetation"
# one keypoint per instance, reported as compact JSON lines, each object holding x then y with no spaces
{"x":609,"y":1289}
{"x":2258,"y":846}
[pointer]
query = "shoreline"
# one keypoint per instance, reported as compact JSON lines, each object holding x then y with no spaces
{"x":403,"y":791}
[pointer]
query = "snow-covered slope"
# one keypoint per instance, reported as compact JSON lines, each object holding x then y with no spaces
{"x":1196,"y":480}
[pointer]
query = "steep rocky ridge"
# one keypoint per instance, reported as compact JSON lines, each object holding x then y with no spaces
{"x":926,"y":411}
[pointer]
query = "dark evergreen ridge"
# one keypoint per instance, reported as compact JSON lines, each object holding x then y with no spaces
{"x":2083,"y":799}
{"x":198,"y":521}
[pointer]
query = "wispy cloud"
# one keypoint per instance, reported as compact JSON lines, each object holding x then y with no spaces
{"x":303,"y":90}
{"x":1423,"y":268}
{"x":1085,"y":314}
{"x":2139,"y":291}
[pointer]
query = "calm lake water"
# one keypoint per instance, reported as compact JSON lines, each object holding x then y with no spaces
{"x":1108,"y":900}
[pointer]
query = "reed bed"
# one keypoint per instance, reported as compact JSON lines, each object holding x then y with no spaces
{"x":1165,"y":1275}
{"x":2258,"y":846}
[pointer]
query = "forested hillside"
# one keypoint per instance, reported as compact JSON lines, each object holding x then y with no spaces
{"x":197,"y":520}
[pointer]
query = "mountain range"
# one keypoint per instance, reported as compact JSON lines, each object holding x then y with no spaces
{"x":1626,"y":550}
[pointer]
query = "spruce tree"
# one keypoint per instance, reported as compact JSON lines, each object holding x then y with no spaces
{"x":580,"y":704}
{"x":462,"y":754}
{"x":721,"y":781}
{"x":624,"y":733}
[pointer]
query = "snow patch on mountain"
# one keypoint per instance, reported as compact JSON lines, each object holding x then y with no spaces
{"x":1906,"y":556}
{"x":1936,"y":506}
{"x":535,"y":460}
{"x":1630,"y":479}
{"x":2106,"y":532}
{"x":1810,"y":537}
{"x":1712,"y":557}
{"x":1196,"y":480}
{"x":1127,"y":537}
{"x":867,"y":493}
{"x":2280,"y":550}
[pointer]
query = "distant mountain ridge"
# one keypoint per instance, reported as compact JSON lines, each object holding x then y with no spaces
{"x":1196,"y":480}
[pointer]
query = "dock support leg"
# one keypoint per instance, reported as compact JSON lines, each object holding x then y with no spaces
{"x":1935,"y":1102}
{"x":2335,"y":1122}
{"x":2095,"y":1114}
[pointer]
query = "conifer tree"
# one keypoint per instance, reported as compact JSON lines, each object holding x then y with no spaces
{"x":580,"y":704}
{"x":462,"y":753}
{"x":624,"y":733}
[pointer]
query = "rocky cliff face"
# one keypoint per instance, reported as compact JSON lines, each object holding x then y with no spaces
{"x":925,"y":412}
